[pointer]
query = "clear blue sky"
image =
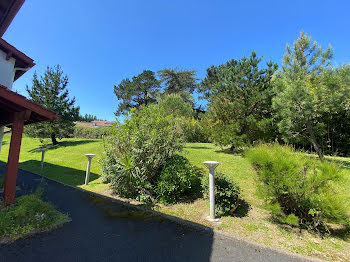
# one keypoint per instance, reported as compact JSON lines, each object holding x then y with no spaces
{"x":99,"y":43}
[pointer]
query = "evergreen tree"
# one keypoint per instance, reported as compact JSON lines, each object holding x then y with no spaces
{"x":240,"y":96}
{"x":179,"y":82}
{"x":51,"y":92}
{"x":141,"y":90}
{"x":301,"y":95}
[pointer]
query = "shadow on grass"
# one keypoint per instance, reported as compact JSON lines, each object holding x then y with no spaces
{"x":336,"y":231}
{"x":242,"y":209}
{"x":60,"y":145}
{"x":67,"y":175}
{"x":230,"y":152}
{"x":198,"y":147}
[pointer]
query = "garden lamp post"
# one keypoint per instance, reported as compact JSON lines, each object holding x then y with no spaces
{"x":43,"y":151}
{"x":211,"y":165}
{"x":89,"y":156}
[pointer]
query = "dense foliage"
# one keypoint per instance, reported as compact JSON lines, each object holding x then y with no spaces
{"x":140,"y":90}
{"x":177,"y":179}
{"x":240,"y":96}
{"x":51,"y":92}
{"x":137,"y":149}
{"x":301,"y":95}
{"x":227,"y":193}
{"x":192,"y":128}
{"x":301,"y":190}
{"x":91,"y":132}
{"x":179,"y":82}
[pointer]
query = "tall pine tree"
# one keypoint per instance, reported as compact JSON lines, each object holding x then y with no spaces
{"x":140,"y":90}
{"x":51,"y":92}
{"x":179,"y":82}
{"x":240,"y":96}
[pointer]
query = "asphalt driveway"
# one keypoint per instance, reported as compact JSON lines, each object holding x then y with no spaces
{"x":96,"y":235}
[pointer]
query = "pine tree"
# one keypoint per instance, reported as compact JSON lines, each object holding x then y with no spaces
{"x":301,"y":95}
{"x":140,"y":90}
{"x":179,"y":82}
{"x":51,"y":92}
{"x":240,"y":96}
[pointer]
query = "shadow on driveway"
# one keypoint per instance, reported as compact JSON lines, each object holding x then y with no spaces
{"x":105,"y":230}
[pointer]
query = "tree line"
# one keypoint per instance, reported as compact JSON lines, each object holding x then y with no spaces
{"x":304,"y":102}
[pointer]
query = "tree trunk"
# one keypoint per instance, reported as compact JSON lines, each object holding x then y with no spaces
{"x":53,"y":139}
{"x":314,"y":141}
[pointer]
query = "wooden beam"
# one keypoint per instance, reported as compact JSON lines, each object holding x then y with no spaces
{"x":16,"y":102}
{"x":12,"y":163}
{"x":9,"y":55}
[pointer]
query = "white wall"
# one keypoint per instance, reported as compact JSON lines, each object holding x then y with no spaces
{"x":6,"y":70}
{"x":7,"y":74}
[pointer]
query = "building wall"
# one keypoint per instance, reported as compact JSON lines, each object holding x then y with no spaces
{"x":7,"y":74}
{"x":6,"y":70}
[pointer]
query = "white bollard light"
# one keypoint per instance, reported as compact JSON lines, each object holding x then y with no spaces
{"x":87,"y":176}
{"x":43,"y":151}
{"x":211,"y":165}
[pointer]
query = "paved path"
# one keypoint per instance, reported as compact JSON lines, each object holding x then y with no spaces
{"x":93,"y":235}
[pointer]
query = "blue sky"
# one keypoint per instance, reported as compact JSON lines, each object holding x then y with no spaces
{"x":99,"y":43}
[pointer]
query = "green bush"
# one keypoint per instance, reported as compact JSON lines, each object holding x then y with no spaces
{"x":296,"y":185}
{"x":177,"y":179}
{"x":227,"y":193}
{"x":194,"y":131}
{"x":174,"y":105}
{"x":91,"y":132}
{"x":135,"y":151}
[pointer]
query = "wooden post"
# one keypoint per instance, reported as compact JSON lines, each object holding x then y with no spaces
{"x":12,"y":163}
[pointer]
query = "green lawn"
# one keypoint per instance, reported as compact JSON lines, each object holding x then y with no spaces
{"x":67,"y":163}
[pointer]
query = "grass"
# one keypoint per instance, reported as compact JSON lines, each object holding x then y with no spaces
{"x":28,"y":215}
{"x":67,"y":163}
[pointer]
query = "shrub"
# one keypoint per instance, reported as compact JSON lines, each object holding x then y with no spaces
{"x":145,"y":140}
{"x":226,"y":193}
{"x":91,"y":132}
{"x":299,"y":186}
{"x":194,"y":132}
{"x":177,"y":178}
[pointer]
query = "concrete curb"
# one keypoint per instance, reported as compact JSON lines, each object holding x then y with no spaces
{"x":191,"y":224}
{"x":6,"y":240}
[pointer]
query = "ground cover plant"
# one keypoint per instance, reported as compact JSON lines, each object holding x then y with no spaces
{"x":301,"y":190}
{"x":67,"y":163}
{"x":28,"y":215}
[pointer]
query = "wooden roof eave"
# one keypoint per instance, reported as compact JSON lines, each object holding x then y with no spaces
{"x":11,"y":102}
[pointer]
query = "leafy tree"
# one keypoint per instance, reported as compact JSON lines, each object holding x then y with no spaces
{"x":301,"y":95}
{"x":180,"y":82}
{"x":240,"y":96}
{"x":51,"y":92}
{"x":141,"y":90}
{"x":176,"y":106}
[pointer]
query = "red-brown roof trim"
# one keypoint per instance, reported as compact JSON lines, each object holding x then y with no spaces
{"x":22,"y":60}
{"x":9,"y":10}
{"x":11,"y":102}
